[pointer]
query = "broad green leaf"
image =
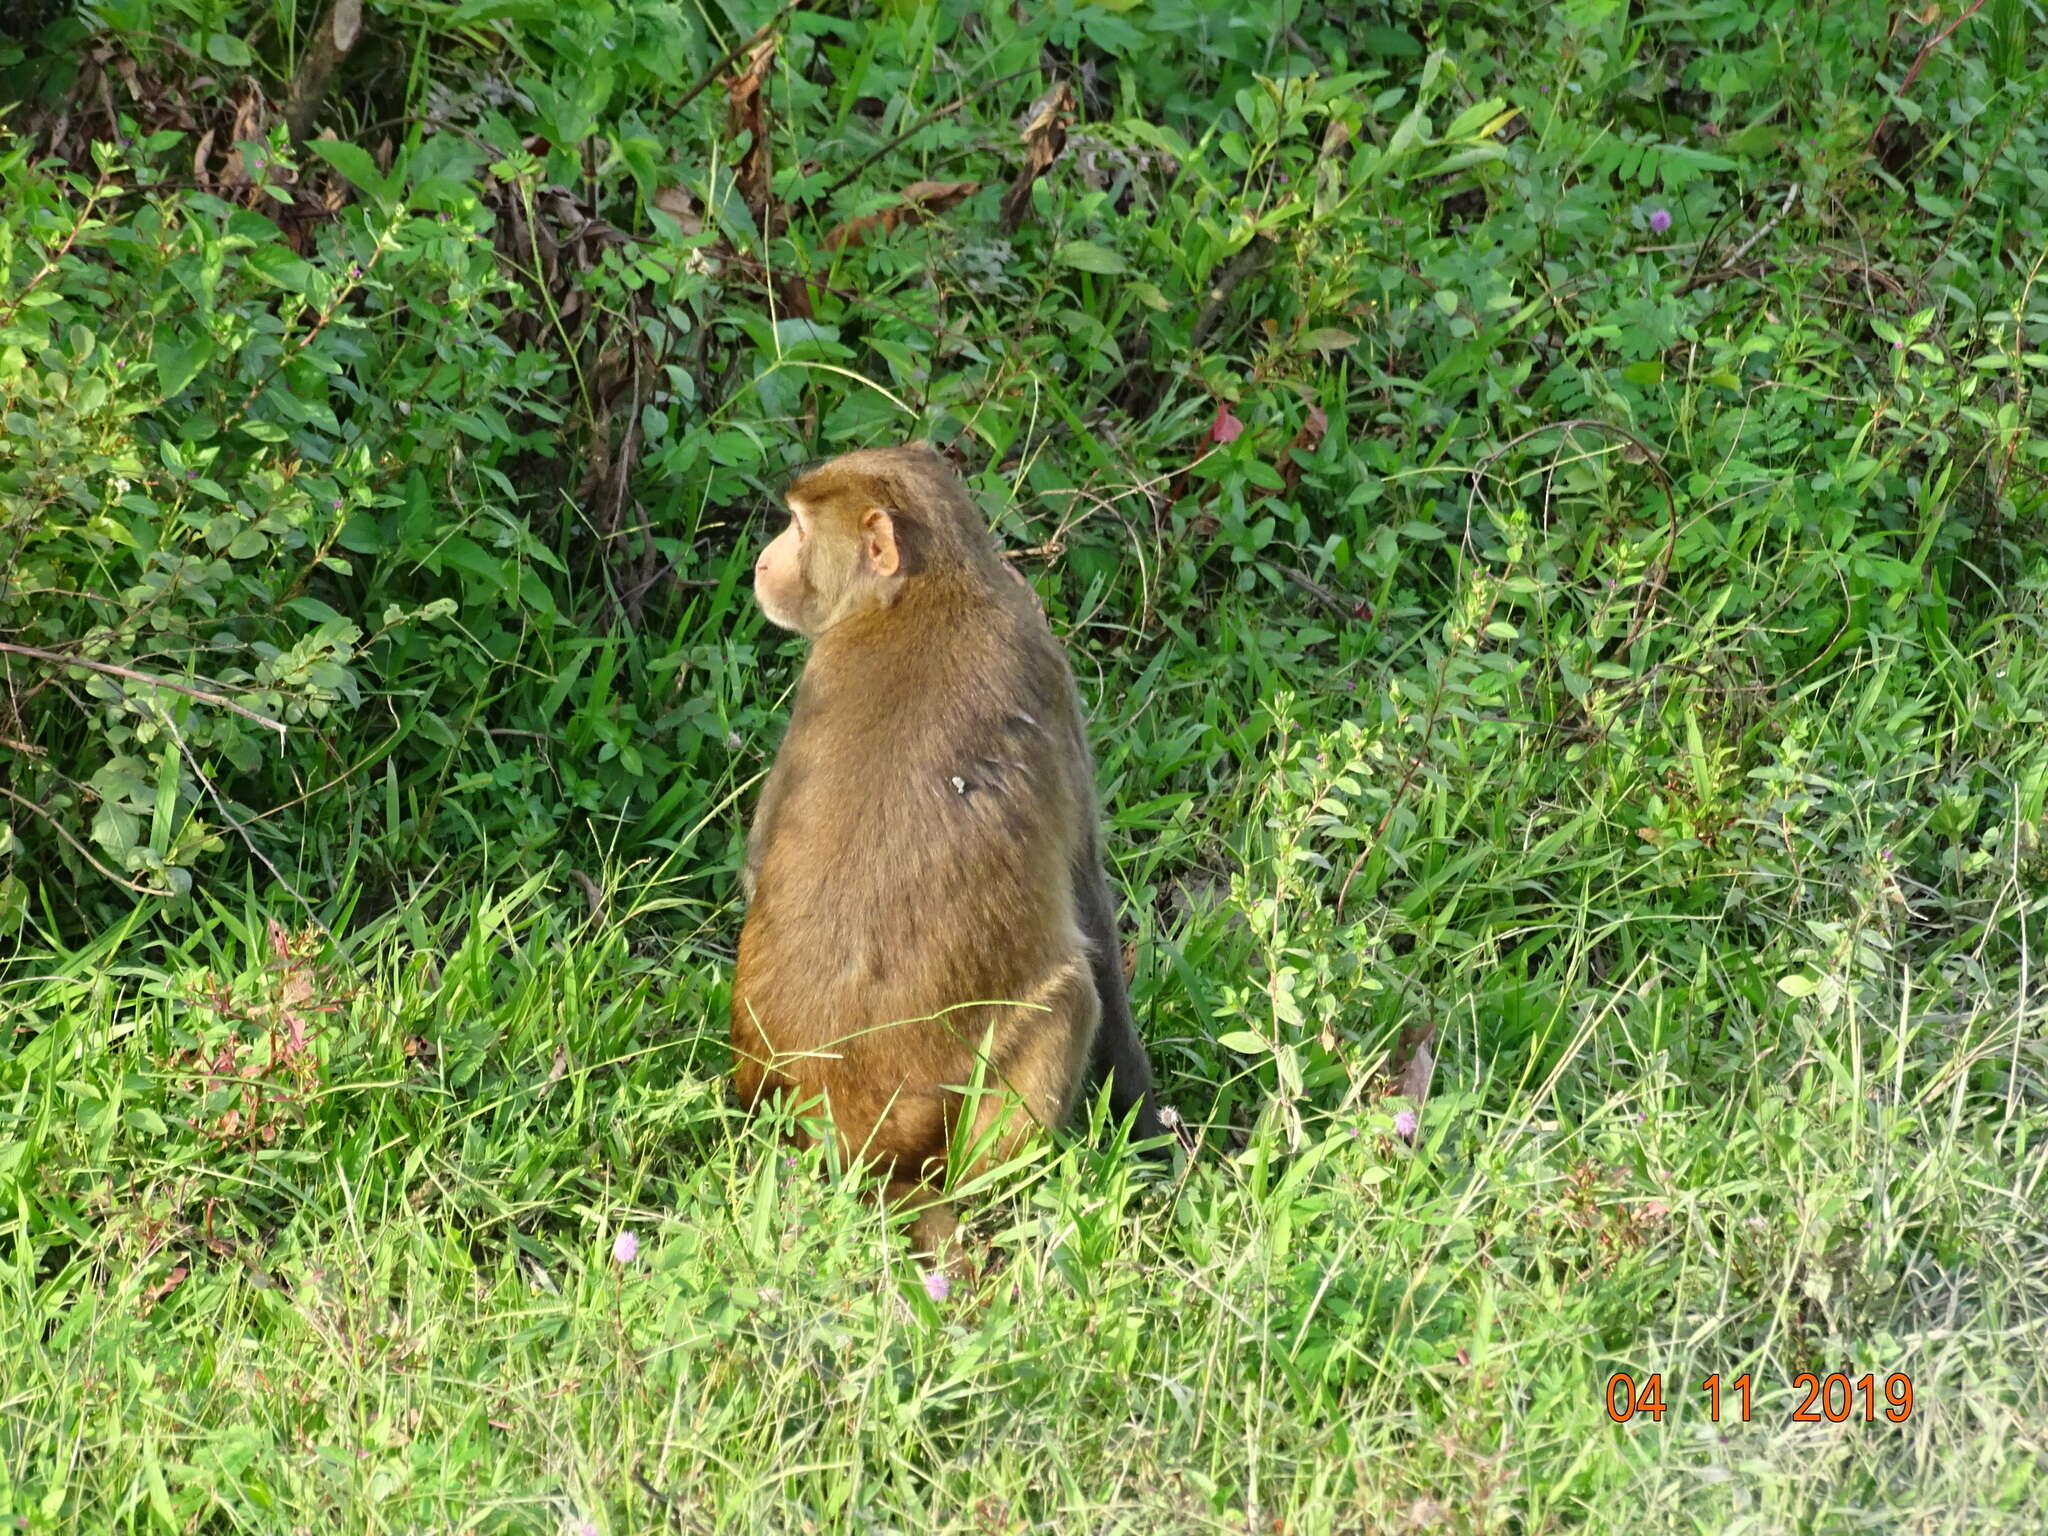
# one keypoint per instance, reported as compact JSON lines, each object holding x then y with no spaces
{"x":1090,"y":257}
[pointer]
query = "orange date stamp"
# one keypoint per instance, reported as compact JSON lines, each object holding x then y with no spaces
{"x":1836,"y":1398}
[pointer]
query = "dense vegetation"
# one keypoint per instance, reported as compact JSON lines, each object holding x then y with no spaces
{"x":1549,"y":506}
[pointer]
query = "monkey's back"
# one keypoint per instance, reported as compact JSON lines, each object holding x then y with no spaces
{"x":922,"y":823}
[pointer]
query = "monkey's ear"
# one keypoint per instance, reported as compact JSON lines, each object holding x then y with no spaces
{"x":878,"y":542}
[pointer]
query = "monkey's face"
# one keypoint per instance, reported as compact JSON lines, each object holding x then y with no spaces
{"x":779,"y":585}
{"x":837,"y":557}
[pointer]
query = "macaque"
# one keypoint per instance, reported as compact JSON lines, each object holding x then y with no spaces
{"x":926,"y":903}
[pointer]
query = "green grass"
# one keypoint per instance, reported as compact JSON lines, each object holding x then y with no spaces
{"x":1621,"y":650}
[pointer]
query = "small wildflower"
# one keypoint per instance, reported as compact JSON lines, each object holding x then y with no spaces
{"x":1660,"y":220}
{"x":938,"y":1285}
{"x":625,"y":1248}
{"x":1404,"y":1124}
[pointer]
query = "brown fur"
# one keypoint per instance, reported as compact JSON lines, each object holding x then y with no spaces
{"x":923,"y":873}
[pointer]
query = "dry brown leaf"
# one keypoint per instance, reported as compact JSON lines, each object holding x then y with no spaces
{"x":1416,"y":1062}
{"x":680,"y":204}
{"x":746,"y":112}
{"x":251,"y":113}
{"x":1045,"y":135}
{"x":918,"y":201}
{"x":1305,"y":442}
{"x":164,"y":1287}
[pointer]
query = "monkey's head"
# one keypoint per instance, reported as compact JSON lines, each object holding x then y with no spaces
{"x":862,"y":528}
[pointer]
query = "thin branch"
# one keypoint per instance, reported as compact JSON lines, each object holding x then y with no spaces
{"x":218,"y":700}
{"x":1731,"y":266}
{"x":920,"y":125}
{"x":726,"y":63}
{"x":84,"y":852}
{"x":1919,"y":63}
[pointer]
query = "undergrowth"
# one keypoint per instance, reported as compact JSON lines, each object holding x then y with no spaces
{"x":1547,"y":509}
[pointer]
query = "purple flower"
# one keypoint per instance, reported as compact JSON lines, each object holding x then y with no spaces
{"x":625,"y":1248}
{"x":1404,"y":1124}
{"x":938,"y":1285}
{"x":1660,"y":220}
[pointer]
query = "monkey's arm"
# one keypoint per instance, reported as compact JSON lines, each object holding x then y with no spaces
{"x":1119,"y":1055}
{"x":759,"y":834}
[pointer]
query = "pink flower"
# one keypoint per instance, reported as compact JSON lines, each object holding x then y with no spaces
{"x":625,"y":1248}
{"x":1226,"y":428}
{"x":938,"y":1285}
{"x":1660,"y":220}
{"x":1404,"y":1124}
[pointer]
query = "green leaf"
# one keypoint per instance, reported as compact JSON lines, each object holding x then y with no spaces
{"x":277,"y":265}
{"x":1327,"y":338}
{"x":1474,"y":117}
{"x":354,"y":162}
{"x":1090,"y":257}
{"x":147,"y":1121}
{"x":178,"y":360}
{"x":1470,"y":155}
{"x":1649,"y":371}
{"x":225,"y":48}
{"x":312,"y":608}
{"x":1244,"y":1042}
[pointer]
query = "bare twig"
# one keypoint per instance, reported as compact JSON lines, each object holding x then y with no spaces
{"x":704,"y":81}
{"x":937,"y":115}
{"x":1919,"y":63}
{"x":241,"y":831}
{"x":1733,"y":263}
{"x":592,"y":894}
{"x":1319,"y":592}
{"x":218,"y":700}
{"x":84,"y":852}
